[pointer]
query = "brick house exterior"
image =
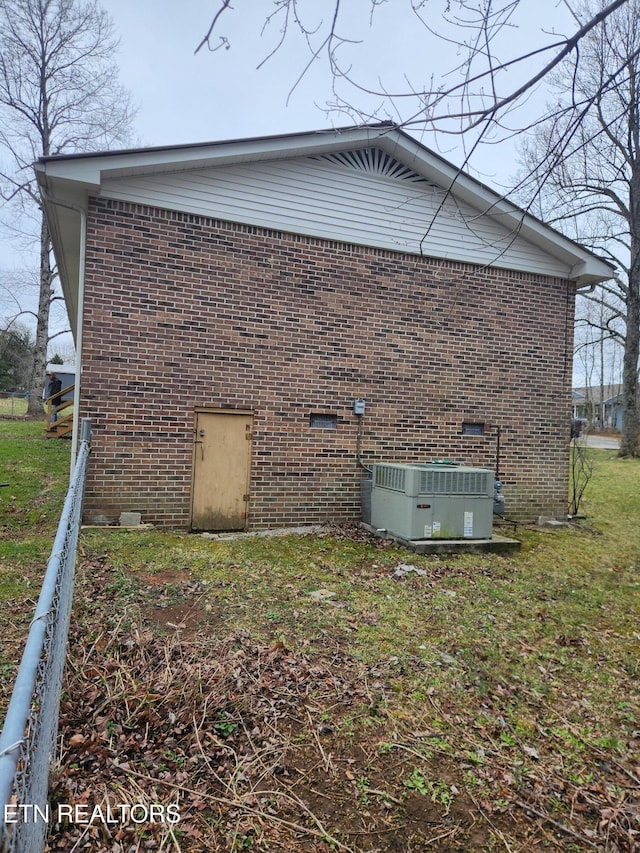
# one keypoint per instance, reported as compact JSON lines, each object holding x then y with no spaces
{"x":179,"y":314}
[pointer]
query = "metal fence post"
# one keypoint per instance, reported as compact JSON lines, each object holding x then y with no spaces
{"x":85,"y":430}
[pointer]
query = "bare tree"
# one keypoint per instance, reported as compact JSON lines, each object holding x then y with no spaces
{"x":586,"y":170}
{"x":473,"y":85}
{"x":59,"y":93}
{"x":581,"y":471}
{"x":599,"y":344}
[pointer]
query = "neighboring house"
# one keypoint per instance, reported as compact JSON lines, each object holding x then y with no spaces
{"x":232,"y":300}
{"x":600,"y":405}
{"x":66,"y":373}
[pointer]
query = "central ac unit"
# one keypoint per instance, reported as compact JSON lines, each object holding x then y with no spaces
{"x":432,"y":501}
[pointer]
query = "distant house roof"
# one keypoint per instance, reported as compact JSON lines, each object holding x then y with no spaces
{"x":597,"y":394}
{"x":52,"y":367}
{"x":66,"y":182}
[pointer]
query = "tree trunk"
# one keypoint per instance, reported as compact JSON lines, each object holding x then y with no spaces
{"x":630,"y":418}
{"x":35,"y":407}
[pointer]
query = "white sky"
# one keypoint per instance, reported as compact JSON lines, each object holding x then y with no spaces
{"x":184,"y":97}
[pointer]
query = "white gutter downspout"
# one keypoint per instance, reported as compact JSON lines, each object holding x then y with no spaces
{"x":75,"y":433}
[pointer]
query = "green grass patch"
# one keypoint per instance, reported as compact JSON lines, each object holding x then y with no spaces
{"x":36,"y":471}
{"x":13,"y":407}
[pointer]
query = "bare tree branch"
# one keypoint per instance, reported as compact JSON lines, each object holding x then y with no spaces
{"x":484,"y":22}
{"x":226,"y":4}
{"x":593,"y":185}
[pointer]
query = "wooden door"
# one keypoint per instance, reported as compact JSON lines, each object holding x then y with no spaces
{"x":221,"y":470}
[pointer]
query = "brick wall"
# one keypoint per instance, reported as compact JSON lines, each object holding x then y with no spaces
{"x":184,"y":312}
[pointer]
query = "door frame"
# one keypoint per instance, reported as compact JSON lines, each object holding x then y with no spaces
{"x":217,"y":410}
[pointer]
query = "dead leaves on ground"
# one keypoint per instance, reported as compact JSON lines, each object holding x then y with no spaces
{"x":262,"y":748}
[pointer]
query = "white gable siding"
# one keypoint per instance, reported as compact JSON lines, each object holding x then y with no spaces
{"x":326,"y":198}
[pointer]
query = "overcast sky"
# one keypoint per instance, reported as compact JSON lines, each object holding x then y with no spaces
{"x":188,"y":97}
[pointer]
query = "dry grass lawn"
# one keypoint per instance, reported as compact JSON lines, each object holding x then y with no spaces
{"x":299,"y":693}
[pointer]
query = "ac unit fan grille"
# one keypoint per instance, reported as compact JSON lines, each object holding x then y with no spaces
{"x":433,"y":479}
{"x":453,"y":482}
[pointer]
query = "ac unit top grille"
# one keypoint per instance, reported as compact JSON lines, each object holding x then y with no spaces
{"x":434,"y":479}
{"x":453,"y":482}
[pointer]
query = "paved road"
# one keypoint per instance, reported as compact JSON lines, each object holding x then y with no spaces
{"x":603,"y":442}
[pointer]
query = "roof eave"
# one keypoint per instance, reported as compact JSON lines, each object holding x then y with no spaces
{"x":64,"y":204}
{"x":70,"y":179}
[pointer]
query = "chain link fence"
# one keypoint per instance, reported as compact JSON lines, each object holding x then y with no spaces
{"x":28,"y":738}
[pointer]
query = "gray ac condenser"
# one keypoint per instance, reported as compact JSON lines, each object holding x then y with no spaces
{"x":432,"y":501}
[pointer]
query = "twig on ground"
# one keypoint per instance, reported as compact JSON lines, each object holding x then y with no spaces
{"x":556,"y":824}
{"x":321,"y":832}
